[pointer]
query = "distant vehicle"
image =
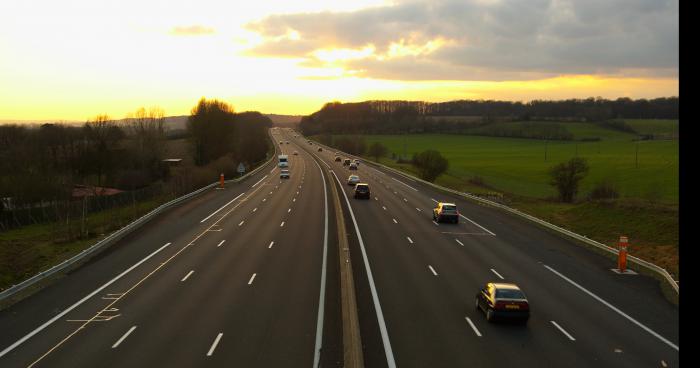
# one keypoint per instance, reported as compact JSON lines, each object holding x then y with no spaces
{"x":346,"y":162}
{"x":296,"y":153}
{"x":320,"y":149}
{"x":357,"y":162}
{"x":503,"y":300}
{"x":281,"y":142}
{"x":362,"y":191}
{"x":446,"y":211}
{"x":352,"y":166}
{"x":283,"y":161}
{"x":338,"y":159}
{"x":284,"y":174}
{"x":287,"y":142}
{"x":353,"y":179}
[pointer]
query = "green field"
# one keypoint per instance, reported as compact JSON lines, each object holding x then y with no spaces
{"x":640,"y":169}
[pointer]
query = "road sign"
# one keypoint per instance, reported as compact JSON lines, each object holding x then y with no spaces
{"x":241,"y":168}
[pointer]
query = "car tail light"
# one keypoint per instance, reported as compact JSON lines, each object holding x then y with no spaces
{"x":524,"y":305}
{"x":500,"y":305}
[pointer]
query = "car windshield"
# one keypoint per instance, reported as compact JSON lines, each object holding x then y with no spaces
{"x":509,"y":294}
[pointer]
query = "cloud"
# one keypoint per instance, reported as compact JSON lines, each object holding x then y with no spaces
{"x":195,"y":30}
{"x":484,"y":40}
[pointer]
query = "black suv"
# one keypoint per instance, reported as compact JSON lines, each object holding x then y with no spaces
{"x":362,"y":191}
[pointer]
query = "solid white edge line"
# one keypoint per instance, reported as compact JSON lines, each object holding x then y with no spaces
{"x":123,"y":337}
{"x":221,"y":208}
{"x":259,"y":181}
{"x":322,"y":293}
{"x":476,"y":331}
{"x":391,"y":362}
{"x":432,"y":270}
{"x":81,"y":301}
{"x":596,"y":297}
{"x":252,"y":278}
{"x":563,"y":331}
{"x":497,"y":274}
{"x":214,"y":344}
{"x":222,"y":242}
{"x":186,"y":276}
{"x":482,"y":228}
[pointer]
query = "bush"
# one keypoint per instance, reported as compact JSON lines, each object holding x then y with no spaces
{"x":604,"y":190}
{"x":566,"y":177}
{"x":430,"y":164}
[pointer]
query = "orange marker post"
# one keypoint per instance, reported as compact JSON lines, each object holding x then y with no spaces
{"x":221,"y":181}
{"x":622,"y":254}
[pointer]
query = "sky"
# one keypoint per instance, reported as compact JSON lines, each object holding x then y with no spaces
{"x":73,"y":60}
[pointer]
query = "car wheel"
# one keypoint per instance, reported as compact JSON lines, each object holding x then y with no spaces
{"x":489,"y":315}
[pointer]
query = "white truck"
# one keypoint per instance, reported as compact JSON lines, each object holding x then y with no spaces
{"x":283,"y":161}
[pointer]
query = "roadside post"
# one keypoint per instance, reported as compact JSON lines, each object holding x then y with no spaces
{"x":221,"y":181}
{"x":622,"y":255}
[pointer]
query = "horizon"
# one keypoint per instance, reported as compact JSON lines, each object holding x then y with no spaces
{"x":73,"y":60}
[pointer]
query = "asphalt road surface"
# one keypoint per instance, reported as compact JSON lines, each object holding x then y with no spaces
{"x":247,"y":277}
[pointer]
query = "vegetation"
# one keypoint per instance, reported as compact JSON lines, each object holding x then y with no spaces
{"x":394,"y":117}
{"x":567,"y":176}
{"x":430,"y":164}
{"x":44,"y":221}
{"x":377,"y":150}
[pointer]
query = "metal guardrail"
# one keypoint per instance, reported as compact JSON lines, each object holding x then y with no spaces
{"x":117,"y":235}
{"x":638,"y":261}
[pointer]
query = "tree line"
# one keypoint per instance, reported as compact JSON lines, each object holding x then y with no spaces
{"x":40,"y":164}
{"x":391,"y":117}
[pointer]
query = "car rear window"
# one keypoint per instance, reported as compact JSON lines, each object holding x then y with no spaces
{"x":509,"y":294}
{"x":362,"y":188}
{"x":449,"y":208}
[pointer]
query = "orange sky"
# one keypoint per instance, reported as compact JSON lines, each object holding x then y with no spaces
{"x":72,"y":60}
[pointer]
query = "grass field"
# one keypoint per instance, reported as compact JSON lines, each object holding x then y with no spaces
{"x":640,"y":169}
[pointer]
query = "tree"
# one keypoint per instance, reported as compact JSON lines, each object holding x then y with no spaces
{"x":566,"y":177}
{"x":211,"y":128}
{"x":377,"y":150}
{"x":430,"y":164}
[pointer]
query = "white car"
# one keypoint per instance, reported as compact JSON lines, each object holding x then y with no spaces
{"x":353,"y":179}
{"x":356,"y":162}
{"x":284,"y":174}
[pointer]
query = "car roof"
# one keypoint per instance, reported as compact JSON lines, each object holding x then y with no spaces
{"x":447,"y":204}
{"x":361,"y":184}
{"x":503,"y":285}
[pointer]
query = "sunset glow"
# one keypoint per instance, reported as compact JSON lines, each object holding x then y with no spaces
{"x":71,"y":60}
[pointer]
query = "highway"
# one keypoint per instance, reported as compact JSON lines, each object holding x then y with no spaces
{"x":231,"y":278}
{"x":247,"y":276}
{"x":427,"y":275}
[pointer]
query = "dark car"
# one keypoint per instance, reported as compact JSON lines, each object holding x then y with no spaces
{"x":503,"y":301}
{"x":346,"y":162}
{"x":362,"y":191}
{"x":338,"y":159}
{"x":320,"y":149}
{"x":446,"y":212}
